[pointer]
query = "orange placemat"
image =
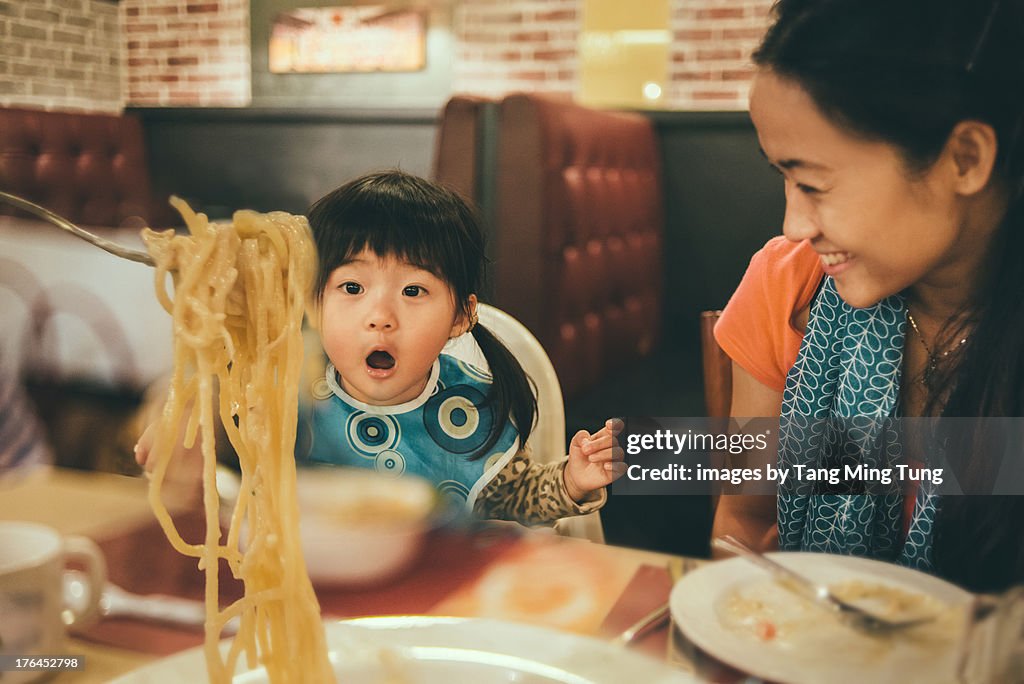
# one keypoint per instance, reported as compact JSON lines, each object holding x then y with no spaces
{"x":562,"y":583}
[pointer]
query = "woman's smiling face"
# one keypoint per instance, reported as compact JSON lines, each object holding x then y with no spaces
{"x":878,"y":227}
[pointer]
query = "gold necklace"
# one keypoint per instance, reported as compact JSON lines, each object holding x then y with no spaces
{"x":933,"y":358}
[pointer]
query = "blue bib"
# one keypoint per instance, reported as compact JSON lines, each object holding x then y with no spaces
{"x":837,"y":407}
{"x":431,"y":436}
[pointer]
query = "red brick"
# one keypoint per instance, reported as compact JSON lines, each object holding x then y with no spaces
{"x":706,"y":55}
{"x":721,"y":13}
{"x":142,"y":61}
{"x":162,"y":10}
{"x":227,"y":24}
{"x":167,"y":78}
{"x":529,"y":37}
{"x":134,"y":44}
{"x":557,"y":15}
{"x":202,"y":9}
{"x":528,"y":75}
{"x":553,"y":55}
{"x":692,"y":34}
{"x":747,"y":33}
{"x":692,"y":76}
{"x":185,"y":26}
{"x":737,"y":74}
{"x":132,"y":11}
{"x":163,"y":44}
{"x":715,"y":95}
{"x":183,"y":61}
{"x":141,"y":28}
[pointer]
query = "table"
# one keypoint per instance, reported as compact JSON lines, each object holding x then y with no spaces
{"x":113,"y":510}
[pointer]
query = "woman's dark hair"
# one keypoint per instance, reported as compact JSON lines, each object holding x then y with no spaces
{"x":905,"y":72}
{"x":396,"y":214}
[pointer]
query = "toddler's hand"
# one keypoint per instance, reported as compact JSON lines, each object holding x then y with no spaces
{"x":144,"y":446}
{"x":594,"y":460}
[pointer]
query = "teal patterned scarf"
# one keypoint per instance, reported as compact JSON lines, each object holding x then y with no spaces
{"x":840,"y":398}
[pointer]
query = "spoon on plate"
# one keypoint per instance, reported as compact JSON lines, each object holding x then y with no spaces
{"x":820,"y":595}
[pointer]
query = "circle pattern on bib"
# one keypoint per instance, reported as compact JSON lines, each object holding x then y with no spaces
{"x":320,"y":389}
{"x":370,"y":434}
{"x":390,"y":462}
{"x":454,"y":420}
{"x":453,"y":490}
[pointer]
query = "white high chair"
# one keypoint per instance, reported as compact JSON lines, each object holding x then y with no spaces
{"x":547,"y":441}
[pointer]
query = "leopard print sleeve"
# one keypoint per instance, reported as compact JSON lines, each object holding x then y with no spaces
{"x":532,"y":494}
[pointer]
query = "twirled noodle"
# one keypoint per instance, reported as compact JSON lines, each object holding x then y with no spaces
{"x":240,"y":291}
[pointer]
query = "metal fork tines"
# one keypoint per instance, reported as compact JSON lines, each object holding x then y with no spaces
{"x":850,"y":613}
{"x":61,"y":222}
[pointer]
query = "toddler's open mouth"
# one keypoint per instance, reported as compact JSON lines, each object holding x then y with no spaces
{"x":380,"y":360}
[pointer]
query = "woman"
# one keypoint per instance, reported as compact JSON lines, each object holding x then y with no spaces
{"x":898,"y":291}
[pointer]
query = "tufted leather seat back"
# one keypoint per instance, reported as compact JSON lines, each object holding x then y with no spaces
{"x":457,"y":157}
{"x":89,"y":168}
{"x":579,"y":233}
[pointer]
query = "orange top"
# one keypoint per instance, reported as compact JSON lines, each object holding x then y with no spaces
{"x":756,"y":329}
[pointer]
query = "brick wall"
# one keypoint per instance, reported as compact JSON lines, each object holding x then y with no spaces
{"x":710,"y":56}
{"x":186,"y":52}
{"x":60,"y":54}
{"x":502,"y":46}
{"x":509,"y":45}
{"x":66,"y":53}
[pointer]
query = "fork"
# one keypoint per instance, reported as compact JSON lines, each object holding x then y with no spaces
{"x":657,"y":617}
{"x":848,"y":612}
{"x":61,"y":222}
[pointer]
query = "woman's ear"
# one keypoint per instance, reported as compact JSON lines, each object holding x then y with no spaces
{"x":972,"y":146}
{"x":465,"y":318}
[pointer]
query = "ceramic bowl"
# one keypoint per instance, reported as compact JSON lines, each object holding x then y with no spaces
{"x":358,"y":527}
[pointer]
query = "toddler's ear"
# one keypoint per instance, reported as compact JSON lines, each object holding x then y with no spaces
{"x":464,"y":322}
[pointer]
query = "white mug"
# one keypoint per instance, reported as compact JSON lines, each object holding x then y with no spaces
{"x":34,"y":612}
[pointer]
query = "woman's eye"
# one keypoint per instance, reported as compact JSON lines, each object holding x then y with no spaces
{"x":413,"y":291}
{"x":352,"y":288}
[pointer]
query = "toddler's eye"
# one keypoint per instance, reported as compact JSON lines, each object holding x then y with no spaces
{"x":352,"y":288}
{"x":413,"y":291}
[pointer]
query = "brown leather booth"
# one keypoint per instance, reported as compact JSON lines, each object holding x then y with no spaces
{"x":577,"y":213}
{"x":459,"y":154}
{"x":89,"y":168}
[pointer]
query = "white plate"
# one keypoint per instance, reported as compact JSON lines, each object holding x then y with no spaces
{"x":444,"y":650}
{"x":810,"y":645}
